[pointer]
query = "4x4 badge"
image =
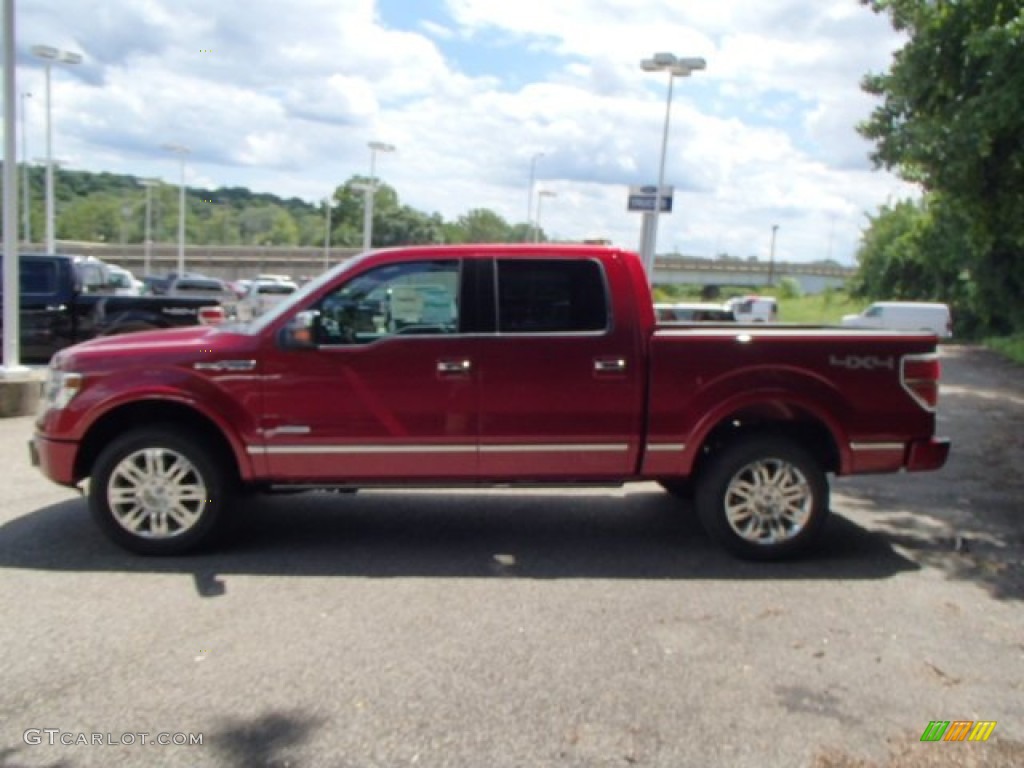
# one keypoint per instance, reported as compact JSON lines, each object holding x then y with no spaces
{"x":862,"y":362}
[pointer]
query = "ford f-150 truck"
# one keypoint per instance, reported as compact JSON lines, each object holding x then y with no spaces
{"x":65,"y":300}
{"x":484,"y":365}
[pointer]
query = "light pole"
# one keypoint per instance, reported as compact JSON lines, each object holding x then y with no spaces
{"x":676,"y":67}
{"x":11,"y":367}
{"x":529,"y":194}
{"x":371,"y":191}
{"x":771,"y":257}
{"x":182,"y":153}
{"x":327,"y":233}
{"x":148,"y":244}
{"x":49,"y":54}
{"x":26,"y":208}
{"x":541,"y":194}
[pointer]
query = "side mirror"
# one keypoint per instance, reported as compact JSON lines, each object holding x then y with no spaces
{"x":301,"y":331}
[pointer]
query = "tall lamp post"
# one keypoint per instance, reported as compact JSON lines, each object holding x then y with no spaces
{"x":771,"y":257}
{"x":530,"y":193}
{"x":182,"y":153}
{"x":49,"y":55}
{"x":148,"y":244}
{"x":26,"y":208}
{"x":11,"y":367}
{"x":371,"y":191}
{"x":540,"y":199}
{"x":676,"y":67}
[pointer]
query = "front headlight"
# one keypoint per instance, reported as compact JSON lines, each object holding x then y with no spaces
{"x":61,"y":387}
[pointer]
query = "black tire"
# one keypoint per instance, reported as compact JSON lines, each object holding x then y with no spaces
{"x":680,"y":487}
{"x":158,"y":491}
{"x":787,"y":505}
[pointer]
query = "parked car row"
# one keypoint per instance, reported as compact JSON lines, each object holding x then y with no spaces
{"x":882,"y":315}
{"x":754,"y":309}
{"x":64,"y":300}
{"x":742,"y":309}
{"x":243,"y":300}
{"x":693,"y":313}
{"x":261,"y":294}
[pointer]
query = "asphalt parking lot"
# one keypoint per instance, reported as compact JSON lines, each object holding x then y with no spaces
{"x":546,"y":628}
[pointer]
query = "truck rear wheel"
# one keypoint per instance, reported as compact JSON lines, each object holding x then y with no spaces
{"x":763,"y":498}
{"x":157,"y":491}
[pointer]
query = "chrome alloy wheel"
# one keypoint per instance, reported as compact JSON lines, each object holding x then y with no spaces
{"x":768,"y":502}
{"x":156,"y":493}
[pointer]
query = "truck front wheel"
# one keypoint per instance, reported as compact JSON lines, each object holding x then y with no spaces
{"x":763,"y":498}
{"x":158,"y":492}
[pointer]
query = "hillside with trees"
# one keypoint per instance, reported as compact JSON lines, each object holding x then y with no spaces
{"x":111,"y":208}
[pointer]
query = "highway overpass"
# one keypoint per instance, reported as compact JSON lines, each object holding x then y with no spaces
{"x":233,"y":262}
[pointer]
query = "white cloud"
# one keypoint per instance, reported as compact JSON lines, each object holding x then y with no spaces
{"x":286,"y":101}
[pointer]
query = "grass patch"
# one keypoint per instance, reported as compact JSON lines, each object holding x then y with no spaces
{"x":1008,"y":346}
{"x":820,"y":309}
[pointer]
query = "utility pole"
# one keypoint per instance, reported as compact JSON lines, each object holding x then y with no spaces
{"x":771,"y":257}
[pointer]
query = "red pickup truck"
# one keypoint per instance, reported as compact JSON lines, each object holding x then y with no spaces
{"x":479,"y":365}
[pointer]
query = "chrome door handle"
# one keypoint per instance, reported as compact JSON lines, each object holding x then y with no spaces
{"x":454,"y":366}
{"x":615,"y":365}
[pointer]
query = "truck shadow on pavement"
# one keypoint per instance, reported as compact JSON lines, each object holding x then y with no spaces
{"x":961,"y":540}
{"x":641,"y":534}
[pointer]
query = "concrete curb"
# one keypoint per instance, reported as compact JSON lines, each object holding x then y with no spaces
{"x":20,"y":393}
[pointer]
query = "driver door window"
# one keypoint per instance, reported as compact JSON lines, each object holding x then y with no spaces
{"x":396,"y":299}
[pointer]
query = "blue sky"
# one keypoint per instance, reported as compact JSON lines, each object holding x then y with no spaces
{"x":470,"y":90}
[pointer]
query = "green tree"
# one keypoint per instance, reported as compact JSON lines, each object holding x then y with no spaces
{"x":96,"y":218}
{"x":405,"y":226}
{"x":952,"y":119}
{"x":523,"y":233}
{"x":311,"y":224}
{"x":890,"y":255}
{"x":480,"y":225}
{"x":789,"y":288}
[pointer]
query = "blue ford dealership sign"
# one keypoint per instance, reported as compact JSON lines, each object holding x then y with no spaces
{"x":644,"y":198}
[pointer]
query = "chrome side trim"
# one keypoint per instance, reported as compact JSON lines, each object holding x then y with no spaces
{"x":556,"y":448}
{"x":877,"y":446}
{"x":426,"y":449}
{"x":673,"y":447}
{"x":351,"y":449}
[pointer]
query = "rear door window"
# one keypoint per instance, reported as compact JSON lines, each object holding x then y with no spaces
{"x":38,"y":277}
{"x":551,"y":296}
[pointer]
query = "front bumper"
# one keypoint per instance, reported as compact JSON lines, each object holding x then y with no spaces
{"x":54,"y":458}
